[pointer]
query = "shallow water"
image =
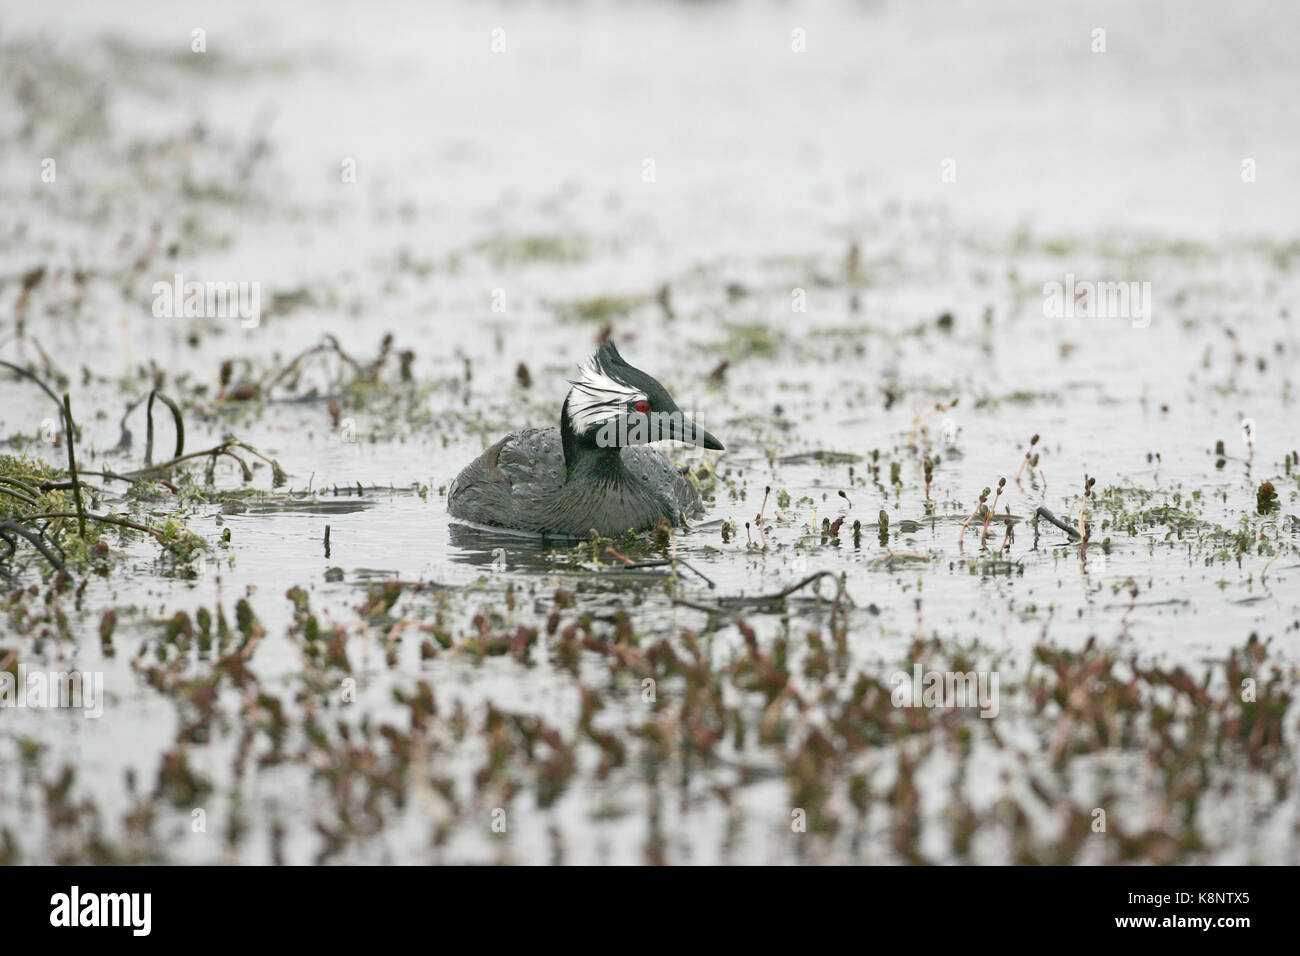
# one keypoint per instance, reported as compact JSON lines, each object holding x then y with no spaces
{"x":517,"y":179}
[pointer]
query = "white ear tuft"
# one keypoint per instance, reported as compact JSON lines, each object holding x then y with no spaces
{"x":596,"y":397}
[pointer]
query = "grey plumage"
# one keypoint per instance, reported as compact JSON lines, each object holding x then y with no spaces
{"x":520,"y":482}
{"x":594,"y":471}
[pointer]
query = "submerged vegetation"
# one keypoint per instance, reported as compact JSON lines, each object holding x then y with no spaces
{"x":689,"y":713}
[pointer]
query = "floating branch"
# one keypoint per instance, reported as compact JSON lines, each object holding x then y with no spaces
{"x":1041,"y":512}
{"x":779,"y":596}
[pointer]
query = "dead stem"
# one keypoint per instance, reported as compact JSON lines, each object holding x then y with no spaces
{"x":27,"y":495}
{"x":327,"y":344}
{"x":176,"y":417}
{"x":222,"y":449}
{"x":18,"y":369}
{"x":758,"y":519}
{"x":104,"y":519}
{"x":1026,"y":460}
{"x":1009,"y":538}
{"x":993,"y":510}
{"x":965,"y":524}
{"x":35,"y":538}
{"x":609,"y":549}
{"x":1083,"y":509}
{"x":841,"y":593}
{"x":72,"y":467}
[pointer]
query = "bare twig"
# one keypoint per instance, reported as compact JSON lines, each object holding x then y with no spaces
{"x":984,"y":533}
{"x":759,"y":599}
{"x":19,"y":370}
{"x":176,"y":417}
{"x":327,"y":344}
{"x":72,"y":466}
{"x":27,"y":494}
{"x":1025,"y":461}
{"x":35,"y":538}
{"x":1042,"y":512}
{"x":222,"y":449}
{"x":103,"y":519}
{"x":965,"y":524}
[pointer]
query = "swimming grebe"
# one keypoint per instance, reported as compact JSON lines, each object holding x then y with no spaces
{"x":595,"y":470}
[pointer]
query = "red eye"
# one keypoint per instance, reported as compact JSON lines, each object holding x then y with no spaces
{"x":642,"y":406}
